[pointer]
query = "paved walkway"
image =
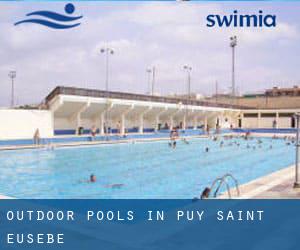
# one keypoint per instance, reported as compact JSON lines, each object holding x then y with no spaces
{"x":98,"y":142}
{"x":278,"y":185}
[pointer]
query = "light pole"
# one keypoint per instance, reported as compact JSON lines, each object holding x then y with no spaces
{"x":188,"y":69}
{"x":12,"y":75}
{"x":153,"y":79}
{"x":217,"y":91}
{"x":149,"y":72}
{"x":297,"y":181}
{"x":233,"y":44}
{"x":153,"y":72}
{"x":107,"y":51}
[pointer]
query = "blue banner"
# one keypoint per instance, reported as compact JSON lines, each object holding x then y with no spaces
{"x":150,"y":224}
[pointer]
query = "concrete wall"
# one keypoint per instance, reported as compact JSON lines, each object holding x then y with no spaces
{"x":284,"y":122}
{"x":250,"y":122}
{"x":64,"y":123}
{"x":266,"y":122}
{"x":22,"y":124}
{"x":280,"y":102}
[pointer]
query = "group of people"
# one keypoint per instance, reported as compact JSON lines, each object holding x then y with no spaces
{"x":258,"y":143}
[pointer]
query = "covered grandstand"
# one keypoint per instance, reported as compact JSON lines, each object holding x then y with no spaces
{"x":75,"y":108}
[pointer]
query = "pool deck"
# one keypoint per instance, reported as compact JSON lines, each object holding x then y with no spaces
{"x":131,"y":140}
{"x":98,"y":142}
{"x":5,"y":197}
{"x":277,"y":185}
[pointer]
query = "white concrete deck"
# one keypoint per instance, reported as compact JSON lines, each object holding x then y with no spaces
{"x":90,"y":143}
{"x":277,"y":185}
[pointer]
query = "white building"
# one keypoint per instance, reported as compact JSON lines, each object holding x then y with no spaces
{"x":70,"y":109}
{"x":74,"y":108}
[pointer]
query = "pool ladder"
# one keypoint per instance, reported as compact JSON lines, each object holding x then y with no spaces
{"x":223,"y":180}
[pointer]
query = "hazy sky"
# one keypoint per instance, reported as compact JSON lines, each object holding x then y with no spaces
{"x":167,"y":35}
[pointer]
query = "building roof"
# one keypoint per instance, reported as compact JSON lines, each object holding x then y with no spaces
{"x":60,"y":90}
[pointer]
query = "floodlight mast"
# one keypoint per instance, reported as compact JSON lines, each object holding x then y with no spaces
{"x":12,"y":75}
{"x":233,"y":44}
{"x":188,"y":70}
{"x":108,"y":52}
{"x":151,"y":84}
{"x":297,"y":181}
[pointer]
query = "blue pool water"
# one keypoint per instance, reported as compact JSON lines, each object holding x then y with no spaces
{"x":147,"y":170}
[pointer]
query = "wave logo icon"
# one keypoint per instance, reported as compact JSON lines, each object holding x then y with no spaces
{"x":53,"y":20}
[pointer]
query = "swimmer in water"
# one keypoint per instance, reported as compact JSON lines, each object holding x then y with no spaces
{"x":174,"y":144}
{"x":117,"y":185}
{"x":92,"y":178}
{"x":207,"y":149}
{"x":185,"y":141}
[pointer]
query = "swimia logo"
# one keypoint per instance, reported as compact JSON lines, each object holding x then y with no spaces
{"x":242,"y":20}
{"x":52,"y":19}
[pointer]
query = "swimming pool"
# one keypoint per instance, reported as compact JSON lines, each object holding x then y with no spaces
{"x":147,"y":170}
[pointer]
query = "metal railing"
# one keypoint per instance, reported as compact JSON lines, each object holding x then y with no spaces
{"x":220,"y":182}
{"x":130,"y":96}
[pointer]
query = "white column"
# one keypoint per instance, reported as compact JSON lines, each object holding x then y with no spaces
{"x":102,"y":123}
{"x":258,"y":119}
{"x":141,"y":124}
{"x":156,"y":122}
{"x":184,"y":122}
{"x":78,"y":122}
{"x":122,"y":132}
{"x":277,"y":119}
{"x":171,"y":122}
{"x":242,"y":119}
{"x":217,"y":119}
{"x":195,"y":122}
{"x":205,"y":123}
{"x":158,"y":116}
{"x":123,"y":119}
{"x":142,"y":118}
{"x":77,"y":116}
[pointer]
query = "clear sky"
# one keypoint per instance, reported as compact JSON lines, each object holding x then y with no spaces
{"x":167,"y":35}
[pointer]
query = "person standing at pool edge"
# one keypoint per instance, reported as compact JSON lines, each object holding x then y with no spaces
{"x":36,"y":137}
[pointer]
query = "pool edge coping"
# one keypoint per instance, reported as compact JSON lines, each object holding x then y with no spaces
{"x":90,"y":143}
{"x":261,"y":184}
